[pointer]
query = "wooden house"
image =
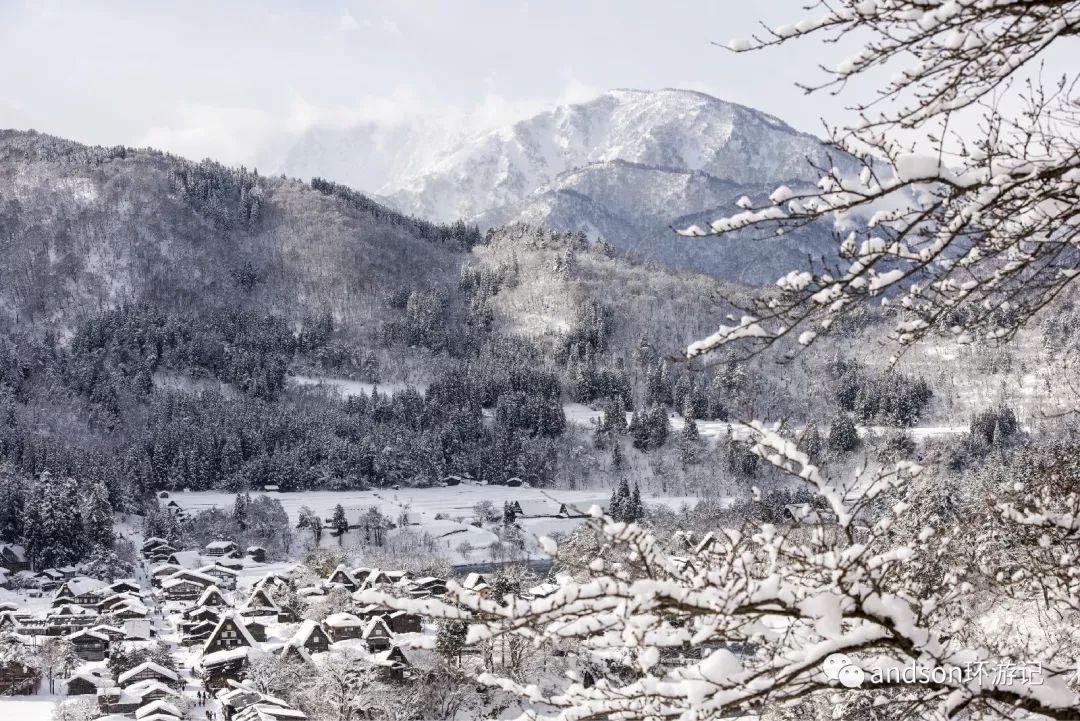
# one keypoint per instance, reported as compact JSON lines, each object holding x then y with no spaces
{"x":342,"y":577}
{"x":147,"y":671}
{"x":159,"y":573}
{"x":229,"y":633}
{"x":221,"y":667}
{"x":212,"y":597}
{"x":256,"y":554}
{"x":90,"y":645}
{"x":396,"y":666}
{"x":18,"y":679}
{"x":312,"y":636}
{"x":404,"y":622}
{"x":377,"y":635}
{"x":343,"y":626}
{"x":13,"y":557}
{"x":226,"y":577}
{"x":86,"y":683}
{"x":85,"y":591}
{"x":220,"y":548}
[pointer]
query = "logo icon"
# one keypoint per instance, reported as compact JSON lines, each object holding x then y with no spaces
{"x":839,"y":667}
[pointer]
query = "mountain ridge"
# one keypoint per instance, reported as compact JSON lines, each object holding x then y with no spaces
{"x":649,"y":157}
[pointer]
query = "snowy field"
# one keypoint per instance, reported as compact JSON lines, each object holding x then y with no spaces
{"x":452,"y":535}
{"x":348,"y":388}
{"x":583,"y":415}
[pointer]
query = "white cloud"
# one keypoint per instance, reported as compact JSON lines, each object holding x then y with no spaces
{"x":261,"y":138}
{"x":347,"y":22}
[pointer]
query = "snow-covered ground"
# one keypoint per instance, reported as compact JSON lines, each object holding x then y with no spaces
{"x":29,"y":708}
{"x":583,"y":415}
{"x":347,"y":388}
{"x":451,"y":534}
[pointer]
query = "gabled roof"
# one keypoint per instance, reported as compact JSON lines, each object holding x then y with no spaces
{"x":140,"y":689}
{"x":158,"y":706}
{"x":217,"y":568}
{"x":227,"y":617}
{"x":91,"y":678}
{"x":259,"y":598}
{"x":303,"y":633}
{"x":157,"y":669}
{"x":373,"y":625}
{"x":391,"y":657}
{"x":475,"y":582}
{"x":209,"y":594}
{"x":186,"y":559}
{"x":89,"y":634}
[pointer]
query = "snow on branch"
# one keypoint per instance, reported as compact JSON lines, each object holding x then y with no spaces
{"x":972,"y":234}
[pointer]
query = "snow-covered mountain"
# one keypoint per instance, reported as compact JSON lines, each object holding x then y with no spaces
{"x":627,"y":166}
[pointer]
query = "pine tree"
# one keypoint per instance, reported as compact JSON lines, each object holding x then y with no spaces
{"x":450,"y":637}
{"x":637,"y":511}
{"x":239,"y":513}
{"x":339,"y":522}
{"x":843,"y":436}
{"x":99,"y":521}
{"x":618,"y":461}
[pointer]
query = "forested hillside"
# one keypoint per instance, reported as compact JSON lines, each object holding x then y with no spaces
{"x":157,"y":314}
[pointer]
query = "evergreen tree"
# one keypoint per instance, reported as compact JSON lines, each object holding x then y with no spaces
{"x":339,"y":522}
{"x":637,"y":510}
{"x":99,"y":519}
{"x":450,"y":637}
{"x":810,"y":442}
{"x":843,"y":436}
{"x":618,"y":461}
{"x":239,"y":513}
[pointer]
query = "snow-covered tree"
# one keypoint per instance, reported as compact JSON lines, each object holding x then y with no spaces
{"x":953,"y":191}
{"x":98,"y":520}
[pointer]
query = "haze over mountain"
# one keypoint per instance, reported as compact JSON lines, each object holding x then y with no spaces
{"x":625,"y":166}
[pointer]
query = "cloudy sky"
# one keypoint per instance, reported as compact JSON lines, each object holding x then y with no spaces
{"x":229,"y":79}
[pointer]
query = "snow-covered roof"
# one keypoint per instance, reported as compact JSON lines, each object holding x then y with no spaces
{"x":164,"y":568}
{"x":236,"y":621}
{"x":88,"y":633}
{"x":81,"y":585}
{"x":220,"y":545}
{"x":187,"y":559}
{"x":544,"y":589}
{"x":373,"y":625}
{"x":259,"y":598}
{"x":303,"y":633}
{"x":141,"y":689}
{"x":193,"y":576}
{"x":207,"y":595}
{"x":160,"y":717}
{"x":91,"y":678}
{"x":158,"y":670}
{"x":217,"y":568}
{"x":338,"y":620}
{"x":158,"y":706}
{"x":232,"y":654}
{"x":14,"y":551}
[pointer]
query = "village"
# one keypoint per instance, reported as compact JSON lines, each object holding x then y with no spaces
{"x":188,"y":628}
